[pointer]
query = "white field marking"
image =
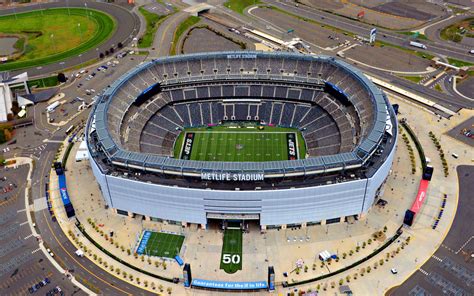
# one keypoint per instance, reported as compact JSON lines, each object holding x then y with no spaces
{"x":24,"y":223}
{"x":34,"y":251}
{"x":241,"y":132}
{"x":27,"y":237}
{"x":22,"y":210}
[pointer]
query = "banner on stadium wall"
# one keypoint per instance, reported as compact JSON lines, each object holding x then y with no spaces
{"x":229,"y":285}
{"x":215,"y":176}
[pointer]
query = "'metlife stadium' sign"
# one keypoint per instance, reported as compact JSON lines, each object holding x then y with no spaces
{"x":231,"y":177}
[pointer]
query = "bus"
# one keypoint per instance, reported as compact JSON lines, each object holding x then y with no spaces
{"x":69,"y":129}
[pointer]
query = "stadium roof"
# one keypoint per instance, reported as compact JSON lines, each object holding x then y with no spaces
{"x":314,"y":165}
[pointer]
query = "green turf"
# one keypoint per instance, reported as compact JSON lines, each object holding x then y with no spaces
{"x":240,"y":142}
{"x":53,"y":35}
{"x":163,"y":244}
{"x":414,"y":79}
{"x":459,"y":63}
{"x":232,"y":251}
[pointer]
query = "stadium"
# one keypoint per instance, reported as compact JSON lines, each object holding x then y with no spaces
{"x":276,"y":139}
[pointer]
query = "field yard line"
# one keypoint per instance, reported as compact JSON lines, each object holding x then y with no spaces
{"x":241,"y":132}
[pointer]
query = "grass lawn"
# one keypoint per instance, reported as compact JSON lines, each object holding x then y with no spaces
{"x":453,"y":33}
{"x":52,"y":35}
{"x":231,"y":256}
{"x":419,"y":36}
{"x":414,"y":79}
{"x":44,"y":82}
{"x":183,"y":27}
{"x":458,"y":63}
{"x":240,"y":5}
{"x":160,"y":244}
{"x":153,"y":21}
{"x":240,"y":142}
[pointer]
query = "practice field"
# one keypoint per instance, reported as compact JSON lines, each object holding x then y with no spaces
{"x":50,"y":35}
{"x":240,"y":142}
{"x":231,"y":257}
{"x":160,"y":244}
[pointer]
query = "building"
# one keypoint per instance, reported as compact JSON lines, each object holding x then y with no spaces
{"x":6,"y":96}
{"x":348,"y":124}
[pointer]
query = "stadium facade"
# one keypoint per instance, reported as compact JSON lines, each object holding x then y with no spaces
{"x":349,"y":126}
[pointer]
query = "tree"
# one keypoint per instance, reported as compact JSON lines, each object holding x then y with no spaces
{"x":160,"y":287}
{"x":111,"y":50}
{"x":107,"y":52}
{"x":164,"y":265}
{"x":341,"y":281}
{"x":129,"y":252}
{"x":62,"y":78}
{"x":120,"y":45}
{"x":101,"y":55}
{"x":153,"y":286}
{"x":348,"y":278}
{"x":169,"y":290}
{"x":145,"y":283}
{"x":368,"y":269}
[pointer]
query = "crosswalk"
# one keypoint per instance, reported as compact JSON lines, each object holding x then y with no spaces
{"x":437,"y":258}
{"x":423,"y":271}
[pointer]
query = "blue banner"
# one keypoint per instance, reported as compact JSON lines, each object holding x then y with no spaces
{"x":143,"y":242}
{"x":230,"y":285}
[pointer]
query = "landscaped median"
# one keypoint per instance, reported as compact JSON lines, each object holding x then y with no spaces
{"x":153,"y":21}
{"x":53,"y":35}
{"x":240,"y":5}
{"x":183,"y":27}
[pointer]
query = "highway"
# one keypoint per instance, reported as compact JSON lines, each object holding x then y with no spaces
{"x":123,"y":33}
{"x":445,"y":49}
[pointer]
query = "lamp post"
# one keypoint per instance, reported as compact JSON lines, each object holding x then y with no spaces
{"x":87,"y":11}
{"x":52,"y":40}
{"x":79,"y":29}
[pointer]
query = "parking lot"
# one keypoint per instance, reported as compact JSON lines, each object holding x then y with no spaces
{"x":86,"y":84}
{"x":24,"y":268}
{"x":308,"y":31}
{"x":204,"y":40}
{"x":461,"y":132}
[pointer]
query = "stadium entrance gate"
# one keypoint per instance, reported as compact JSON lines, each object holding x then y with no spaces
{"x":224,"y":221}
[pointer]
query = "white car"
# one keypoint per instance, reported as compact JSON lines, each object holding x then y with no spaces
{"x":50,"y":252}
{"x":394,"y":271}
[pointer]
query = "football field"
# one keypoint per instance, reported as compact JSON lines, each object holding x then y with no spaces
{"x":160,"y":244}
{"x":231,"y":256}
{"x":240,"y":143}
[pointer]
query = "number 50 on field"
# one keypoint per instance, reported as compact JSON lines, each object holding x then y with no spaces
{"x":229,"y":258}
